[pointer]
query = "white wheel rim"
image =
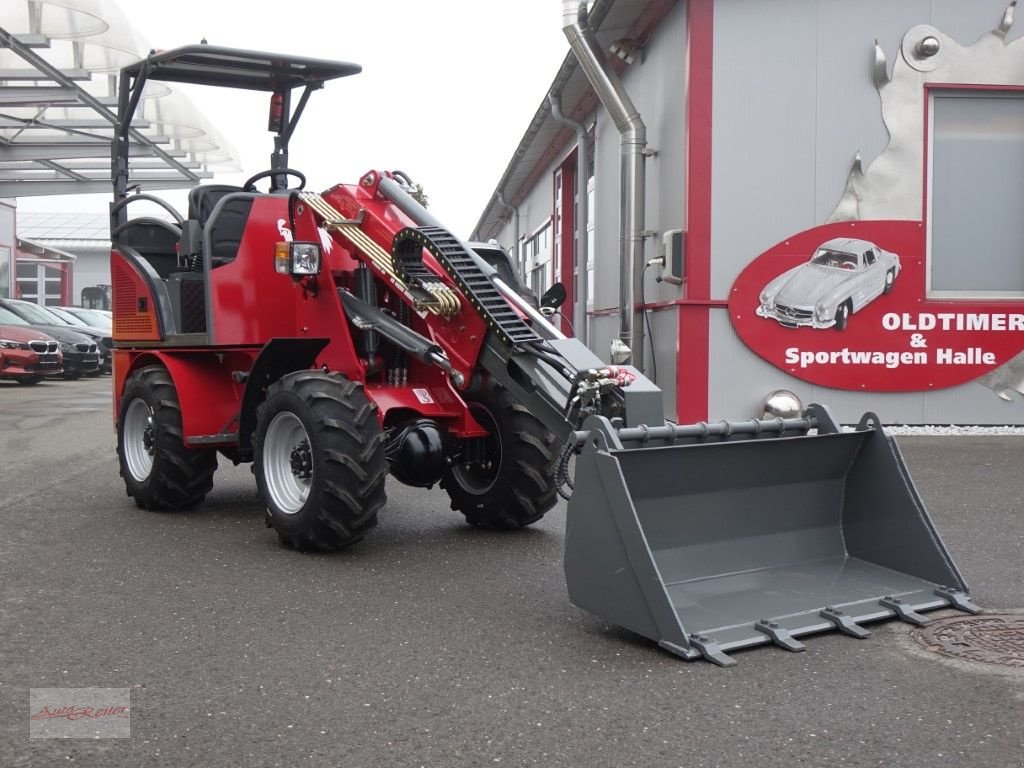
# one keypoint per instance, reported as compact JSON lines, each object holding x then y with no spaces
{"x":287,"y":463}
{"x":138,"y":439}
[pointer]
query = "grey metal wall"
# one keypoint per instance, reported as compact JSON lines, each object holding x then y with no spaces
{"x":8,"y":212}
{"x":793,"y":101}
{"x":7,"y":244}
{"x":91,"y":268}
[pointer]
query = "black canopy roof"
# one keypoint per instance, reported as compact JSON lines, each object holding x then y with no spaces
{"x":236,"y":68}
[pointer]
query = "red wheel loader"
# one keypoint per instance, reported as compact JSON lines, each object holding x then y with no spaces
{"x":333,"y":339}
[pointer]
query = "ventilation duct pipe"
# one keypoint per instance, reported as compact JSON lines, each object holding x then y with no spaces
{"x":579,"y":312}
{"x":606,"y":84}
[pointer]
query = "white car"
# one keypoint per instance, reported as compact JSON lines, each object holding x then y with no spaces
{"x":842,"y":277}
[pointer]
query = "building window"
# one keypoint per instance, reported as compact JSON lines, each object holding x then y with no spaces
{"x":537,"y":252}
{"x":591,"y":206}
{"x":40,"y":283}
{"x":558,"y":223}
{"x":976,"y":185}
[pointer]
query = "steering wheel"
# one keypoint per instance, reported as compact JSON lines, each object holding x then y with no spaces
{"x":250,"y":183}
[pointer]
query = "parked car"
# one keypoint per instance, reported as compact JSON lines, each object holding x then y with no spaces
{"x":28,"y":355}
{"x":81,"y":356}
{"x":43,"y":318}
{"x":842,"y":277}
{"x":89,"y":317}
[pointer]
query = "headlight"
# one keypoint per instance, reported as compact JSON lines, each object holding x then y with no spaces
{"x":821,"y":310}
{"x":67,"y":347}
{"x":296,"y":258}
{"x":766,"y":299}
{"x":8,"y":344}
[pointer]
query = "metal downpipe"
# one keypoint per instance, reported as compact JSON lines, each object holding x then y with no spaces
{"x":520,"y":267}
{"x":579,"y":312}
{"x":609,"y":89}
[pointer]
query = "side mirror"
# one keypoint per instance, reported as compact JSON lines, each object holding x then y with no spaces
{"x":553,"y":297}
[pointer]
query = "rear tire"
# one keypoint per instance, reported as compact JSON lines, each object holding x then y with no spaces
{"x":159,"y":471}
{"x":518,"y":486}
{"x":319,"y":460}
{"x":890,"y":279}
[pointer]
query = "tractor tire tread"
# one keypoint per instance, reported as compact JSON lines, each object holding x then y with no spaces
{"x":351,"y":460}
{"x":181,"y":477}
{"x":524,"y":489}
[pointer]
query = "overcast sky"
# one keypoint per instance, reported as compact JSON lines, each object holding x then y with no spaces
{"x":447,"y":90}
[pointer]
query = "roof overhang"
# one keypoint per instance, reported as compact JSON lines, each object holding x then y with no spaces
{"x":545,"y":138}
{"x":32,"y":250}
{"x":57,"y":100}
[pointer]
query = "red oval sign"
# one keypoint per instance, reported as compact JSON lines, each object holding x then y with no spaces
{"x":843,"y":305}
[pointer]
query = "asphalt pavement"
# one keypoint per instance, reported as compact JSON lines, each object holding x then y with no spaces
{"x":433,"y":644}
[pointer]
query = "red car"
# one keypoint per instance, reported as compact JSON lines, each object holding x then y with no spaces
{"x":27,"y":355}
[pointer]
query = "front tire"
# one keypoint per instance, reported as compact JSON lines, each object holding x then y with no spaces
{"x":28,"y":381}
{"x":843,"y":316}
{"x":319,"y":460}
{"x":159,"y":471}
{"x":511,"y":485}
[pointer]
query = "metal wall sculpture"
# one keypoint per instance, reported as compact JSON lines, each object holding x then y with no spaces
{"x":891,"y":187}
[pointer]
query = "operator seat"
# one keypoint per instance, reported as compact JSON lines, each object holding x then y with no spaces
{"x":227,"y":229}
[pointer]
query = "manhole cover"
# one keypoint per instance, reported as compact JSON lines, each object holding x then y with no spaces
{"x":990,"y":639}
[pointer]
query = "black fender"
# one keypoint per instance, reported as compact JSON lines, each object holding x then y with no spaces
{"x":277,"y":358}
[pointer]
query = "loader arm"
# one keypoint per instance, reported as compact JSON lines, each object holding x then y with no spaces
{"x":557,"y":378}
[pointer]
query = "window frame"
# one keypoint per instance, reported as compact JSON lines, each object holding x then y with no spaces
{"x":932,"y":92}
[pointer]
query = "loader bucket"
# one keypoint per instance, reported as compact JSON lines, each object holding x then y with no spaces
{"x":711,"y":538}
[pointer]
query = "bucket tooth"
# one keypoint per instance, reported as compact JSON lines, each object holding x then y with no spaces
{"x":685,"y":653}
{"x":711,"y":651}
{"x":957,"y":599}
{"x":903,"y":611}
{"x":844,"y":623}
{"x":780,"y":636}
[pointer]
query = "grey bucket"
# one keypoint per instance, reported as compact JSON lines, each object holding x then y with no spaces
{"x":710,"y":545}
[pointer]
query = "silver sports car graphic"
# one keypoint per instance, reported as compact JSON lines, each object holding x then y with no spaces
{"x":843,"y":276}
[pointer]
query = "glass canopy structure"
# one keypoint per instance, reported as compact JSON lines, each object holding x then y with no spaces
{"x":59,"y":61}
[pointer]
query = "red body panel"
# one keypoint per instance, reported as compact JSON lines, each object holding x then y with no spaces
{"x":251,"y":302}
{"x":210,"y":398}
